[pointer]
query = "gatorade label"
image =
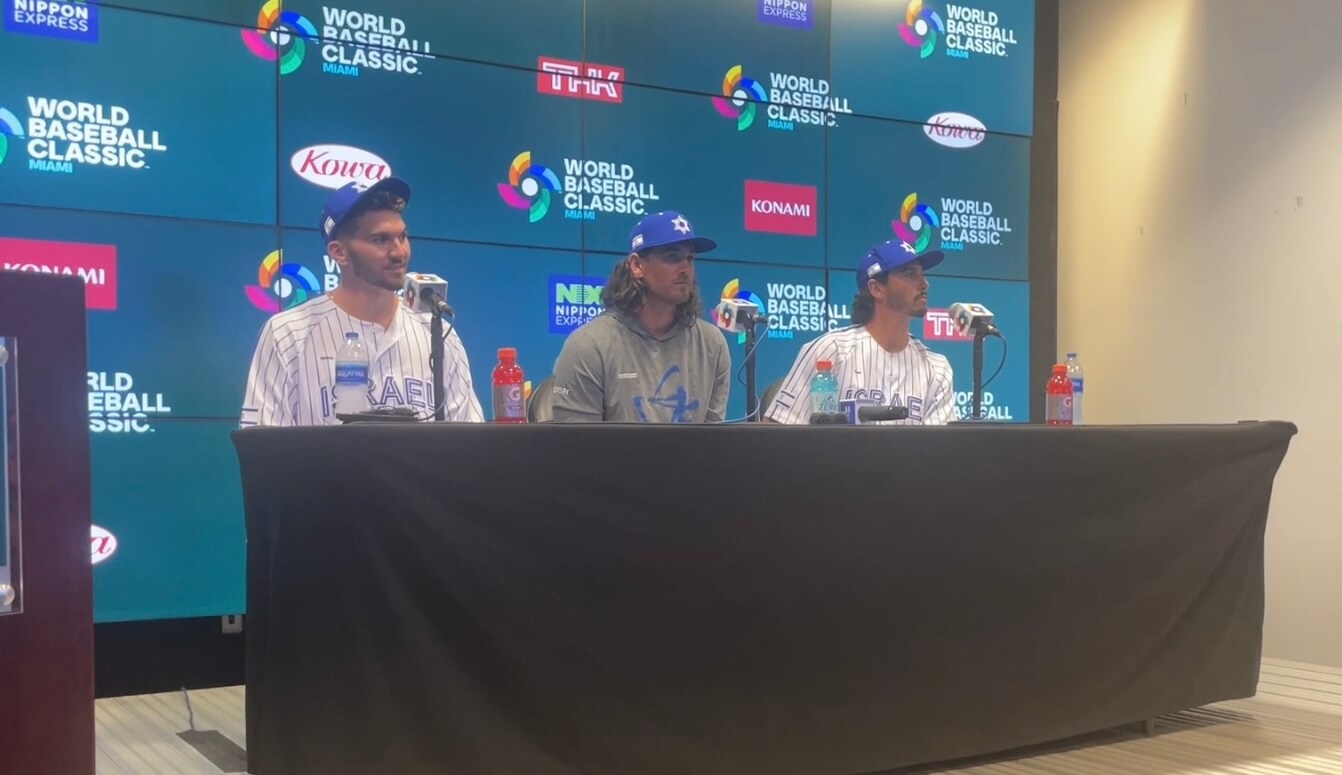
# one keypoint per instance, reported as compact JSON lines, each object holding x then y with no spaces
{"x":508,"y":401}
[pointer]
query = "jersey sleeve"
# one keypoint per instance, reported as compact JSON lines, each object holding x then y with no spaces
{"x":579,"y":392}
{"x":266,"y":398}
{"x":941,"y":408}
{"x":792,"y":404}
{"x":462,"y":404}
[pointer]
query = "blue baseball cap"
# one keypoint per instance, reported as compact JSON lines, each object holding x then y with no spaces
{"x":893,"y":254}
{"x":666,"y":228}
{"x":343,"y":199}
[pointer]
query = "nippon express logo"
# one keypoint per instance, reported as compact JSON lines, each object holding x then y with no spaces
{"x":588,"y":188}
{"x":332,"y":166}
{"x":964,"y":31}
{"x":791,"y":307}
{"x":780,"y":208}
{"x":94,"y":264}
{"x":789,"y":101}
{"x":60,"y":134}
{"x":573,"y":300}
{"x":77,"y":20}
{"x":349,"y":41}
{"x":788,"y":13}
{"x":118,"y":405}
{"x":579,"y":80}
{"x":960,"y":222}
{"x":281,"y":285}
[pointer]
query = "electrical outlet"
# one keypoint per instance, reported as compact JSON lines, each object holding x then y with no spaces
{"x":232,"y":624}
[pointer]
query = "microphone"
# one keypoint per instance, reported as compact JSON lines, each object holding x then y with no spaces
{"x":867,"y":414}
{"x":426,"y":292}
{"x":970,"y":318}
{"x":736,"y":315}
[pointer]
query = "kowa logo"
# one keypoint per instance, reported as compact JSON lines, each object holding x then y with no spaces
{"x":961,"y":222}
{"x":94,"y":264}
{"x":574,"y":300}
{"x":580,"y":80}
{"x":76,"y":20}
{"x":792,"y":308}
{"x":790,"y":100}
{"x":589,"y":188}
{"x":281,"y":285}
{"x":103,"y":543}
{"x":955,"y":130}
{"x":780,"y":208}
{"x":116,"y":407}
{"x":332,"y":166}
{"x":966,"y":31}
{"x":63,"y":133}
{"x":349,"y":41}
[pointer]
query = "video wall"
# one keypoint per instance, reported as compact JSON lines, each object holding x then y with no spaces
{"x":176,"y":153}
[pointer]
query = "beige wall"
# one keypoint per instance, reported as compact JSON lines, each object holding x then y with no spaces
{"x":1200,"y":208}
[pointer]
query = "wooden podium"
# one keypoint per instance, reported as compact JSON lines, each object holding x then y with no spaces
{"x":46,"y":641}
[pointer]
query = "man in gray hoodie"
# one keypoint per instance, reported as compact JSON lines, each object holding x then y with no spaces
{"x":649,"y":357}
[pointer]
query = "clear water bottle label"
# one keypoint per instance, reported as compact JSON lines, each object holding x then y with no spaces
{"x":508,"y":401}
{"x":1077,"y":384}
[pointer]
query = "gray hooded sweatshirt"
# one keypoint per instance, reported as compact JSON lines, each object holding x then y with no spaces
{"x":614,"y":369}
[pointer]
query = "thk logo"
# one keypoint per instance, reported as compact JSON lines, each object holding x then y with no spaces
{"x":580,"y":80}
{"x":94,"y":264}
{"x":938,"y":325}
{"x":781,"y":208}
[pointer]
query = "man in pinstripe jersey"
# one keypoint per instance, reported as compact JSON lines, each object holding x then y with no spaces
{"x":292,"y":378}
{"x":875,"y":360}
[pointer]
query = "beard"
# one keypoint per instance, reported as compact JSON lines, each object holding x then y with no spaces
{"x":372,"y":274}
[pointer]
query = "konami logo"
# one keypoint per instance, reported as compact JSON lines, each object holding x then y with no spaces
{"x":103,"y":543}
{"x":937,"y":324}
{"x":781,"y":208}
{"x":955,"y":130}
{"x":94,"y":264}
{"x":581,"y":80}
{"x":332,"y":166}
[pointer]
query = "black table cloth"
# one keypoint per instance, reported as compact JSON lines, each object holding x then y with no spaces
{"x":739,"y":599}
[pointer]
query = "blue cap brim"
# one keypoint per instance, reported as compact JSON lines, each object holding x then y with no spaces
{"x":395,"y":185}
{"x":930,"y":259}
{"x":699,"y":244}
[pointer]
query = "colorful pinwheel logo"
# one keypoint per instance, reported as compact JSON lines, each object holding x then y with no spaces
{"x":529,"y":186}
{"x":280,"y":31}
{"x":9,"y":127}
{"x":916,"y":222}
{"x":921,"y":27}
{"x":733,"y":290}
{"x":281,"y":286}
{"x":739,"y":95}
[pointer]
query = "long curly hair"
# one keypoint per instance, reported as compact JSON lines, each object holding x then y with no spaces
{"x":624,"y":291}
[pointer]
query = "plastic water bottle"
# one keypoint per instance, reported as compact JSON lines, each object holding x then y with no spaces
{"x":824,"y":389}
{"x":1078,"y":377}
{"x":1058,"y":397}
{"x":509,"y":401}
{"x":351,"y":383}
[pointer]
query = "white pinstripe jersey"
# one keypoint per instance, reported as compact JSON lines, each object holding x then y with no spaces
{"x":868,"y":375}
{"x":292,"y":378}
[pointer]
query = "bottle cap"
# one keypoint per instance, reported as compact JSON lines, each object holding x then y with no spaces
{"x":1071,"y":355}
{"x":507,"y":353}
{"x":824,"y":365}
{"x":351,"y":335}
{"x":1060,"y":368}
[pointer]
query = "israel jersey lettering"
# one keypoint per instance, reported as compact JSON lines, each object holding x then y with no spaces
{"x":868,"y":375}
{"x":292,"y":378}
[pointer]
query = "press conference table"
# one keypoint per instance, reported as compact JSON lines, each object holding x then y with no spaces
{"x":763,"y":599}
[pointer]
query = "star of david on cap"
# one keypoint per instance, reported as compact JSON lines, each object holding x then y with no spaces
{"x":667,"y":228}
{"x":893,"y":254}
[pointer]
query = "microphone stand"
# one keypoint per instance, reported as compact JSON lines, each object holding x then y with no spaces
{"x":979,"y":335}
{"x":436,"y":365}
{"x":752,"y":400}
